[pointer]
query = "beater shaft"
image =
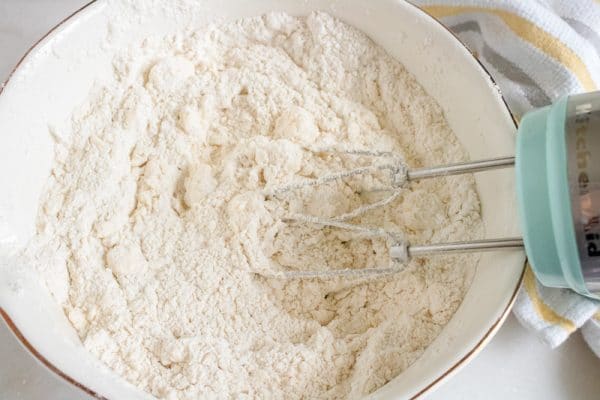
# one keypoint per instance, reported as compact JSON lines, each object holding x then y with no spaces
{"x":460,"y":168}
{"x":465,"y":247}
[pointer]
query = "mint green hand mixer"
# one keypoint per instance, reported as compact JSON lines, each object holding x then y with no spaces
{"x":557,"y":167}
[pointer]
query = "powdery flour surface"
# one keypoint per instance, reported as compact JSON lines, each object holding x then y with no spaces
{"x":155,"y":220}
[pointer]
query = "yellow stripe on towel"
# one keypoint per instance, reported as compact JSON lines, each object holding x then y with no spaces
{"x":531,"y":33}
{"x":545,"y":312}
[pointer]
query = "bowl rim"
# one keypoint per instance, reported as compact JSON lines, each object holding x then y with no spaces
{"x":485,"y":339}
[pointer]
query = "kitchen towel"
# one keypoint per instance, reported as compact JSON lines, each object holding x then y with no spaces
{"x":537,"y":51}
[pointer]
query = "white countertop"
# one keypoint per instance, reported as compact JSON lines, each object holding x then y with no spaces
{"x":515,"y":365}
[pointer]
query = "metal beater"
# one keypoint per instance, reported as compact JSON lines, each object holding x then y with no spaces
{"x":399,"y":175}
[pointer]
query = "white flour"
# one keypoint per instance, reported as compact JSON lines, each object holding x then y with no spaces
{"x":154,"y":218}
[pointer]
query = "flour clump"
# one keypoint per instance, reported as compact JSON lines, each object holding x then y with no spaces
{"x":156,"y":217}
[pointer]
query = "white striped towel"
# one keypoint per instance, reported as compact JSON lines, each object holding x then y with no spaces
{"x":537,"y":51}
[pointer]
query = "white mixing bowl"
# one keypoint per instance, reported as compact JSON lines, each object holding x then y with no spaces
{"x":59,"y":71}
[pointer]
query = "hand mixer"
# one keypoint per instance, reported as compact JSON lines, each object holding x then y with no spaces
{"x":557,"y":167}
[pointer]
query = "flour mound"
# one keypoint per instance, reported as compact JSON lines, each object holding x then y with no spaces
{"x":155,"y":216}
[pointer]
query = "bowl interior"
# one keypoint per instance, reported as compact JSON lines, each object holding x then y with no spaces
{"x":59,"y":72}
